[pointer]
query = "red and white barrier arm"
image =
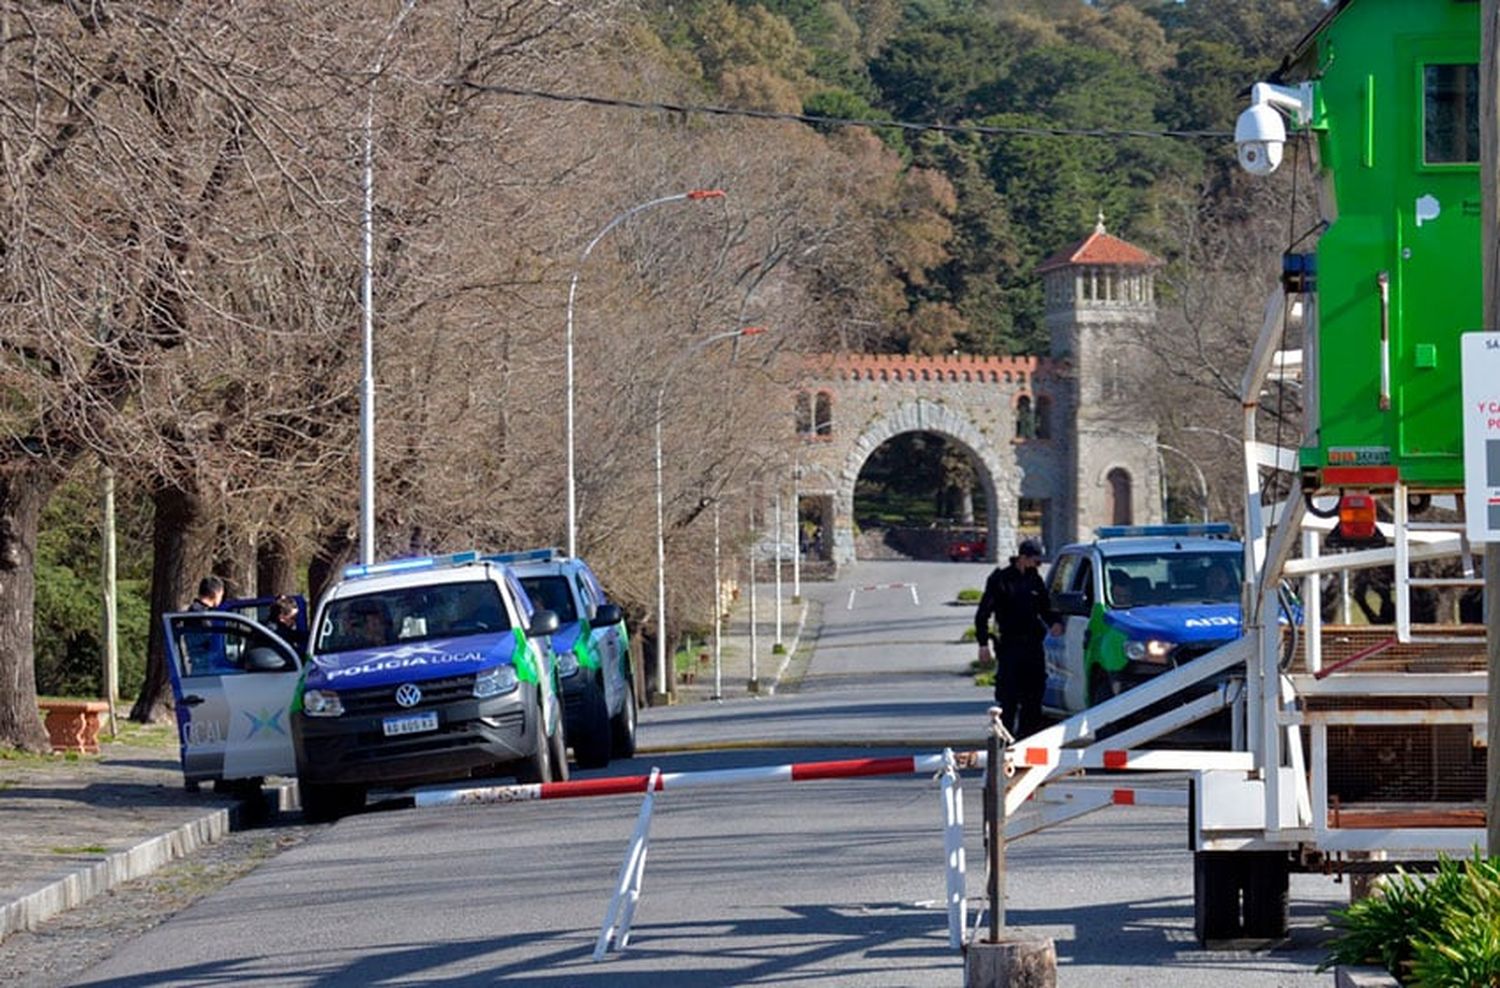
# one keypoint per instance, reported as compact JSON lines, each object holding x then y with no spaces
{"x":851,"y":768}
{"x":912,"y":587}
{"x":1167,"y":760}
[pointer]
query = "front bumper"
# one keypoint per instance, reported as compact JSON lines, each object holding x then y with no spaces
{"x":471,"y":734}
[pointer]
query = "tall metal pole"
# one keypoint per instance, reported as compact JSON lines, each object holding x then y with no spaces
{"x":367,"y":305}
{"x":718,"y":617}
{"x":796,"y":533}
{"x":107,"y":584}
{"x":778,"y":648}
{"x":1489,"y":177}
{"x":367,"y":343}
{"x":661,"y":532}
{"x":694,"y":195}
{"x":753,"y":685}
{"x":1202,"y":480}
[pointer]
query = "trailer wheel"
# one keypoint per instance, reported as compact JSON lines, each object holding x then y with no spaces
{"x":1217,"y":883}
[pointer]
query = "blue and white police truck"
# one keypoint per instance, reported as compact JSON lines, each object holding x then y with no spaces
{"x":593,"y":654}
{"x":418,"y":670}
{"x":1136,"y":601}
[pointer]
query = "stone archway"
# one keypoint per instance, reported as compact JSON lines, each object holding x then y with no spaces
{"x":1000,"y":482}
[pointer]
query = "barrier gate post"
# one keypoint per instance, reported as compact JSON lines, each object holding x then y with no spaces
{"x":994,"y":818}
{"x":953,"y":847}
{"x":621,"y":911}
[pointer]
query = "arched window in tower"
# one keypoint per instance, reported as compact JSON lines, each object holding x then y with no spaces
{"x":1042,"y":412}
{"x":823,"y":414}
{"x":1025,"y":418}
{"x":1119,"y":511}
{"x":804,"y":414}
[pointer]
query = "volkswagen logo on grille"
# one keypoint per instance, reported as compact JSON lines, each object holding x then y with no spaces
{"x":408,"y":695}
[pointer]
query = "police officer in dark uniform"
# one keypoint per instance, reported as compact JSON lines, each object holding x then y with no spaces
{"x":1017,"y":599}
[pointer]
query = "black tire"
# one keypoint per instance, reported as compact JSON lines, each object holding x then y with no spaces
{"x":622,"y":726}
{"x":558,"y":754}
{"x":1102,"y":688}
{"x":326,"y":802}
{"x":592,"y":743}
{"x":537,"y":767}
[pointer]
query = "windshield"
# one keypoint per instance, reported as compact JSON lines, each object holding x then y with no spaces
{"x":410,"y":614}
{"x":551,"y":593}
{"x":1210,"y":577}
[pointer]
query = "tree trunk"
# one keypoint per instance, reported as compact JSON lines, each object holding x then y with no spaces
{"x":23,"y":492}
{"x":273,"y":566}
{"x":335,"y":549}
{"x":234,"y":562}
{"x":176,"y":515}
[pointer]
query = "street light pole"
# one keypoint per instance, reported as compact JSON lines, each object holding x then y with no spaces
{"x":718,"y":616}
{"x":1202,"y":481}
{"x":661,"y":532}
{"x":367,"y":304}
{"x":694,"y":195}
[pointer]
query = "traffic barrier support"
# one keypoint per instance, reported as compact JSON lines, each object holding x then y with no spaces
{"x":621,"y":911}
{"x":953,"y":850}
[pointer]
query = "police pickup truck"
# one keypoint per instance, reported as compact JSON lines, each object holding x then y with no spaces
{"x":593,"y":654}
{"x":1137,"y":601}
{"x":418,"y":670}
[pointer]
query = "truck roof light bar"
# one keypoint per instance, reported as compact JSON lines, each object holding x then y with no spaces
{"x":1205,"y":529}
{"x":526,"y":556}
{"x":359,"y":571}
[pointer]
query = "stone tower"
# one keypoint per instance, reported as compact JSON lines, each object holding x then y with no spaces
{"x":1100,"y":307}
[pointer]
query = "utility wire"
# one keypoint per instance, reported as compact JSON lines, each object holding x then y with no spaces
{"x":809,"y":118}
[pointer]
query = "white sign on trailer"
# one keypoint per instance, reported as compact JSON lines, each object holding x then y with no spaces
{"x":1481,"y":386}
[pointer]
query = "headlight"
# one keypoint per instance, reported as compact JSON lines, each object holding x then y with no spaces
{"x":1151,"y":650}
{"x":501,"y":679}
{"x":567,"y":663}
{"x":322,"y":703}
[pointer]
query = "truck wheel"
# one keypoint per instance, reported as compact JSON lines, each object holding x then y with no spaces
{"x":1267,"y":895}
{"x":623,"y":725}
{"x":326,"y":802}
{"x":592,"y":745}
{"x":1218,"y":880}
{"x":536,"y":767}
{"x":1102,"y":688}
{"x":557,"y":753}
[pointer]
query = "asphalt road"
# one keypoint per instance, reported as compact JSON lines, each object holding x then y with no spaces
{"x":824,"y":883}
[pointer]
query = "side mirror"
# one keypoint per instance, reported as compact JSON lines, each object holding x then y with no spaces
{"x":263,"y":658}
{"x":606,"y":614}
{"x":543,"y":623}
{"x":1072,"y":602}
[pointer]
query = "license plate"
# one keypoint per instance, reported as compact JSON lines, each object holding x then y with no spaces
{"x":412,"y":724}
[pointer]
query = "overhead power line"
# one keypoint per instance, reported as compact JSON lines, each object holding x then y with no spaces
{"x":982,"y":130}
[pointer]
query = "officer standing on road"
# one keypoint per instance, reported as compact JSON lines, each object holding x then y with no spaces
{"x":1018,"y":600}
{"x":210,"y":594}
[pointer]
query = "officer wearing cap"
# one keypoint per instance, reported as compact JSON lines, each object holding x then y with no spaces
{"x":1017,"y":599}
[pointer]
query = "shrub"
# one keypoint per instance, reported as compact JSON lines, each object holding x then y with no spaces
{"x":1436,"y":931}
{"x":969,"y":595}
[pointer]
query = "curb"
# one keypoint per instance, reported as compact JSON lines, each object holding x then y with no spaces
{"x":116,"y":868}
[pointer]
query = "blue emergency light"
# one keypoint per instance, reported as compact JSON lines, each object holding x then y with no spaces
{"x":526,"y":556}
{"x":1206,"y":530}
{"x":359,"y":571}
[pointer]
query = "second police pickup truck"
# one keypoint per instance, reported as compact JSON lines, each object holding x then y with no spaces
{"x":418,"y":670}
{"x":1137,"y":601}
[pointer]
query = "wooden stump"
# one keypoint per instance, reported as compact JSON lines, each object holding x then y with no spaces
{"x":1015,"y":961}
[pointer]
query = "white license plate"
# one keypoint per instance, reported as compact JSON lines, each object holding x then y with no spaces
{"x":412,"y":724}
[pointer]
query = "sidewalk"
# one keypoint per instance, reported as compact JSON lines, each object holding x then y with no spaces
{"x":772,"y":671}
{"x":77,"y":826}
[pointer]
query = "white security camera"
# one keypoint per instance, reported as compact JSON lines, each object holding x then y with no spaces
{"x":1260,"y":133}
{"x":1260,"y":136}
